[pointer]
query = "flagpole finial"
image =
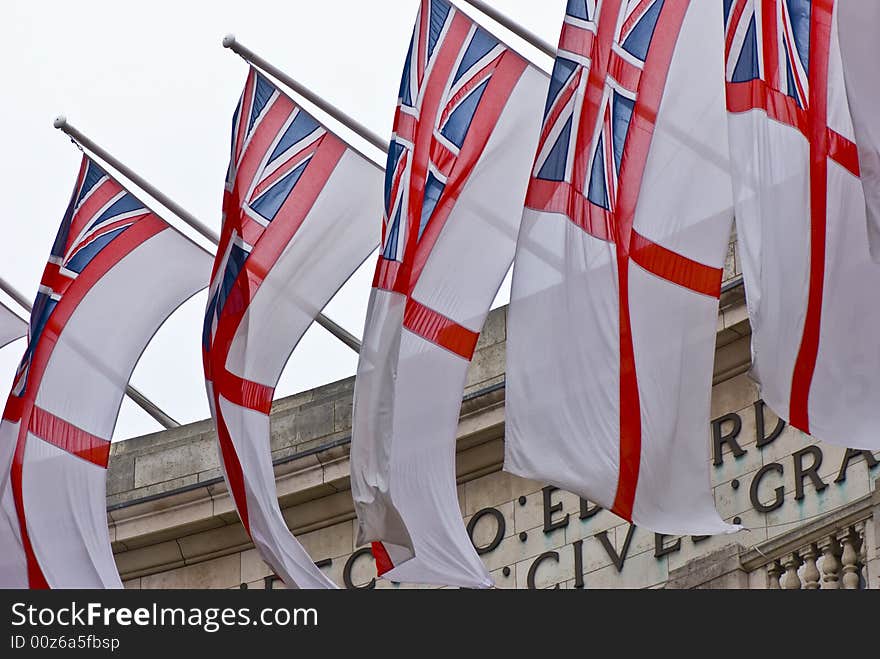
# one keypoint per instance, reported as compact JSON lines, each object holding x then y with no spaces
{"x":60,"y":121}
{"x":229,"y":40}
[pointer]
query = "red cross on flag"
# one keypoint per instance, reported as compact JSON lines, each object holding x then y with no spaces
{"x":800,"y":130}
{"x":611,"y":327}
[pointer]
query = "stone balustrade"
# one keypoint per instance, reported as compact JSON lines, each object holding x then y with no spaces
{"x":829,"y":553}
{"x":835,"y":562}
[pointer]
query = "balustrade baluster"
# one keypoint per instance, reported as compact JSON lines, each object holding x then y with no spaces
{"x":774,"y":571}
{"x":850,"y":559}
{"x":861,"y":532}
{"x":830,"y":564}
{"x":811,"y":571}
{"x":791,"y":580}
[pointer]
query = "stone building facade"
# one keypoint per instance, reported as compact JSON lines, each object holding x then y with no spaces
{"x":811,"y":511}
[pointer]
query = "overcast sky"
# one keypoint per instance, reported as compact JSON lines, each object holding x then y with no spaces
{"x":151,"y":83}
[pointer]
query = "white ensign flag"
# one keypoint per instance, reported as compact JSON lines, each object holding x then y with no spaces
{"x":464,"y":136}
{"x":802,"y":127}
{"x":299,"y":218}
{"x":611,"y":327}
{"x":115,"y":273}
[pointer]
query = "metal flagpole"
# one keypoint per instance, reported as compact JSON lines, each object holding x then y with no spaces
{"x":145,"y":403}
{"x":229,"y":41}
{"x":61,"y":124}
{"x":150,"y":407}
{"x":352,"y":124}
{"x":7,"y":288}
{"x":513,"y":26}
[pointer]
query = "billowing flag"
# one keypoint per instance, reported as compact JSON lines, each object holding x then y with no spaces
{"x":11,"y":326}
{"x":611,"y":326}
{"x":116,"y":272}
{"x":800,"y":208}
{"x":859,"y":24}
{"x":465,"y":130}
{"x":299,"y":212}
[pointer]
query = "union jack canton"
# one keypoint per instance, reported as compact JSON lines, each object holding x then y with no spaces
{"x":456,"y":79}
{"x":273,"y":142}
{"x":99,"y":211}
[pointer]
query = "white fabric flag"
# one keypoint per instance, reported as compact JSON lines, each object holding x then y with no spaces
{"x":800,"y":207}
{"x":612,"y":319}
{"x":11,"y":326}
{"x":464,"y":136}
{"x":299,"y":218}
{"x":116,"y":272}
{"x":859,"y":25}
